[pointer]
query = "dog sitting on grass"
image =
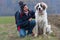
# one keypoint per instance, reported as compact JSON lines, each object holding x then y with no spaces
{"x":42,"y":26}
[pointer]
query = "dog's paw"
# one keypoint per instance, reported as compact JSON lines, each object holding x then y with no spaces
{"x":35,"y":35}
{"x":50,"y":32}
{"x":44,"y":33}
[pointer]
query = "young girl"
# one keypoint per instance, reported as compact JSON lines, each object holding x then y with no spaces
{"x":24,"y":20}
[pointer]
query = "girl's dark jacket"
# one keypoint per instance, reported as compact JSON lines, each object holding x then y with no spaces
{"x":22,"y":18}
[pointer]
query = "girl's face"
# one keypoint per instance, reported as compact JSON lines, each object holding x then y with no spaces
{"x":25,"y":8}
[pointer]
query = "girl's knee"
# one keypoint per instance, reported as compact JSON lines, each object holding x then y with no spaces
{"x":22,"y":33}
{"x":33,"y":22}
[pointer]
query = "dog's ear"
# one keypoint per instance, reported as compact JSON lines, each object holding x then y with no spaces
{"x":36,"y":6}
{"x":44,"y":5}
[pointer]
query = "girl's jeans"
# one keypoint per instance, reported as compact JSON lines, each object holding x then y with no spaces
{"x":23,"y":33}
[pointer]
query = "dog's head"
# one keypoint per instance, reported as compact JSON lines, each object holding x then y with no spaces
{"x":41,"y":6}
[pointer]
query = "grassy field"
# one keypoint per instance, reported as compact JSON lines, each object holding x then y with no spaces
{"x":7,"y":20}
{"x":8,"y":31}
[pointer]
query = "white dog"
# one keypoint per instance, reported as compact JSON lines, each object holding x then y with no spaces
{"x":41,"y":19}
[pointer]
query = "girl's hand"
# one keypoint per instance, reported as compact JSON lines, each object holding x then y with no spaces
{"x":30,"y":19}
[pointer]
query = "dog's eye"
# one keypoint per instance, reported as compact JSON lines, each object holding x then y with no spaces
{"x":41,"y":5}
{"x":38,"y":6}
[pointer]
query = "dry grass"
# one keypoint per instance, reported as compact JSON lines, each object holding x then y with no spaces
{"x":55,"y":20}
{"x":8,"y":29}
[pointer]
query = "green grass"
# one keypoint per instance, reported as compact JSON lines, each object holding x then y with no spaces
{"x":6,"y":20}
{"x":8,"y":31}
{"x":5,"y":23}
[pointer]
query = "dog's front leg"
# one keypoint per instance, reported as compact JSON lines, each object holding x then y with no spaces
{"x":44,"y":28}
{"x":36,"y":27}
{"x":45,"y":21}
{"x":36,"y":30}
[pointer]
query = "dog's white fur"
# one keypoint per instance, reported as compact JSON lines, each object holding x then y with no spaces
{"x":41,"y":19}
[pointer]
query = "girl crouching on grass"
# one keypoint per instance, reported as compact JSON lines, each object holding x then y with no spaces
{"x":24,"y":20}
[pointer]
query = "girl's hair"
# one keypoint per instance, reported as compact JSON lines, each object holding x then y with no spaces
{"x":21,"y":4}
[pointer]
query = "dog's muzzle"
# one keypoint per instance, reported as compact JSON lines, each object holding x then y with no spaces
{"x":39,"y":9}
